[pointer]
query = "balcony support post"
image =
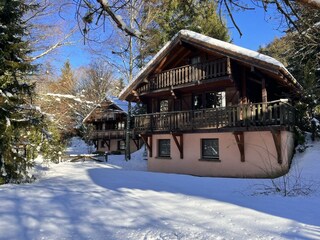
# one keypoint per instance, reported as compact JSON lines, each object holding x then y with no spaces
{"x":276,"y":134}
{"x":239,"y":136}
{"x":179,"y":143}
{"x":107,"y":142}
{"x":228,"y":66}
{"x":244,"y":99}
{"x":136,"y":142}
{"x":145,"y":139}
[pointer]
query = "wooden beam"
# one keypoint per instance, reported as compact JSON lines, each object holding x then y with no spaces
{"x":255,"y":80}
{"x":240,"y":142}
{"x":136,"y":142}
{"x":244,"y":99}
{"x":179,"y":143}
{"x":173,"y":93}
{"x":136,"y":95}
{"x":264,"y":90}
{"x":276,"y":134}
{"x":158,"y":69}
{"x":107,"y":142}
{"x":229,"y":72}
{"x":169,"y":58}
{"x":145,"y":139}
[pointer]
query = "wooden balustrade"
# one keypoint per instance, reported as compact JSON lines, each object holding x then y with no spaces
{"x":108,"y":134}
{"x":255,"y":114}
{"x":187,"y":74}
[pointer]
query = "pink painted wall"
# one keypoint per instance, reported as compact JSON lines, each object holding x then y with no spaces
{"x":260,"y":155}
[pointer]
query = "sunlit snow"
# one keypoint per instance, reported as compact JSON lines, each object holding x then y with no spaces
{"x":92,"y":200}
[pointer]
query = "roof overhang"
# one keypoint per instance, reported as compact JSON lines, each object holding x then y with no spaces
{"x":232,"y":51}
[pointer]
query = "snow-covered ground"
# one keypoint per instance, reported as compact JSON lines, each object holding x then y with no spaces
{"x":91,"y":200}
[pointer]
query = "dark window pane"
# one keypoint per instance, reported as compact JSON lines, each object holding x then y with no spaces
{"x":195,"y":60}
{"x":164,"y":106}
{"x":210,"y":100}
{"x":210,"y":148}
{"x":197,"y":101}
{"x":164,"y":147}
{"x":215,"y":99}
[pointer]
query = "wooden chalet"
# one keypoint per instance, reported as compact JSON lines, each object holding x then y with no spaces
{"x":109,"y":120}
{"x":215,"y":109}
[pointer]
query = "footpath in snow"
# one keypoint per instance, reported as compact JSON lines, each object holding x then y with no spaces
{"x":92,"y":200}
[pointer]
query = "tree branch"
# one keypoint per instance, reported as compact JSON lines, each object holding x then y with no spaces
{"x":53,"y":47}
{"x":119,"y":21}
{"x":232,"y":19}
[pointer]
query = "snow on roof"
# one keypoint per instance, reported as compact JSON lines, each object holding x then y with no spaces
{"x":221,"y":46}
{"x":121,"y":104}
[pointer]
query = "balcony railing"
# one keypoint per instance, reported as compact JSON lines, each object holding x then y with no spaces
{"x":108,"y":134}
{"x":187,"y":74}
{"x":256,"y":114}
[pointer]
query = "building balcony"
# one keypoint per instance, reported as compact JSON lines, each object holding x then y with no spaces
{"x":186,"y":75}
{"x":231,"y":118}
{"x":107,"y":134}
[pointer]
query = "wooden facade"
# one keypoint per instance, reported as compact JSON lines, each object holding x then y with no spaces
{"x":199,"y":85}
{"x":108,"y":121}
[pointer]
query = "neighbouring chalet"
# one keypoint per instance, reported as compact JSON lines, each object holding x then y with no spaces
{"x":215,"y":109}
{"x":109,"y":120}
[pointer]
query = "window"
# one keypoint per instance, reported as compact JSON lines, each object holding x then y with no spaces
{"x":197,"y":101}
{"x":195,"y":60}
{"x":164,"y":147}
{"x":215,"y":99}
{"x":210,"y":148}
{"x":164,"y":106}
{"x":121,"y":145}
{"x":120,"y":125}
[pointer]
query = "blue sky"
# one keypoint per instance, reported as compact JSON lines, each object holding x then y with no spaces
{"x":257,"y":28}
{"x":257,"y":31}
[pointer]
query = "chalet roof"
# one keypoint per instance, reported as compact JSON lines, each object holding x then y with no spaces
{"x":254,"y":58}
{"x":120,"y":106}
{"x":120,"y":103}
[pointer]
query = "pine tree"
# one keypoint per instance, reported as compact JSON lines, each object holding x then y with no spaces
{"x":67,"y":81}
{"x":300,"y":52}
{"x":18,"y":117}
{"x":170,"y":16}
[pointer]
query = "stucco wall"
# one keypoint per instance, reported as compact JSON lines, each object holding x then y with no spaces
{"x":260,"y":155}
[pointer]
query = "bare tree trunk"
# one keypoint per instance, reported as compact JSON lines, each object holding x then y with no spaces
{"x":128,"y":154}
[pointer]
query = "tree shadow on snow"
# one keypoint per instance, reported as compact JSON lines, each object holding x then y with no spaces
{"x":141,"y":185}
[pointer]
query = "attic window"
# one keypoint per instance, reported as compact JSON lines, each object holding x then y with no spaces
{"x":195,"y":60}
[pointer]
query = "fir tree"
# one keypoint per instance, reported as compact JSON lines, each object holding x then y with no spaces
{"x":300,"y":52}
{"x":67,"y":82}
{"x":171,"y":16}
{"x":18,"y":117}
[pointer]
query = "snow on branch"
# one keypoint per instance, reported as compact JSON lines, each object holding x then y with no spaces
{"x":119,"y":21}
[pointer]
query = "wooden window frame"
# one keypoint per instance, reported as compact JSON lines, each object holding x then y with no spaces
{"x":208,"y":158}
{"x":159,"y":148}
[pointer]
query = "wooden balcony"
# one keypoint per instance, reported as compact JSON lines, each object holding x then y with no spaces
{"x":108,"y":134}
{"x":273,"y":113}
{"x":187,"y":74}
